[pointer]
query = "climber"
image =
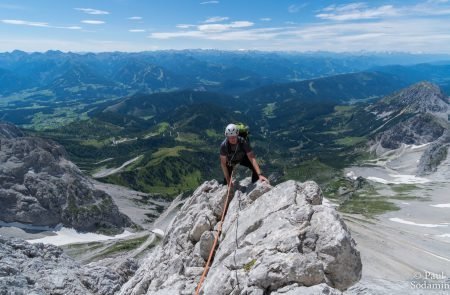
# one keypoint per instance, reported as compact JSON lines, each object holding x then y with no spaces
{"x":236,"y":150}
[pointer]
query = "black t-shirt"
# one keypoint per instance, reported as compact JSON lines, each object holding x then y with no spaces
{"x":235,"y":152}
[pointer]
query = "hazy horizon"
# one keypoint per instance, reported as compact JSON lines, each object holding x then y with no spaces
{"x":316,"y":52}
{"x":411,"y":26}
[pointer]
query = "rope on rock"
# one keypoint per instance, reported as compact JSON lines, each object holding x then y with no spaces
{"x":219,"y":231}
{"x":237,"y":245}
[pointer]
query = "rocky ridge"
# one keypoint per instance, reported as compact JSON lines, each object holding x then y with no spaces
{"x":423,"y":97}
{"x":280,"y":240}
{"x":417,"y":130}
{"x":44,"y":269}
{"x":435,"y":154}
{"x":39,"y":186}
{"x":416,"y":115}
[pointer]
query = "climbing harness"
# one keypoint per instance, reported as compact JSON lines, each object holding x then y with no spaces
{"x":219,"y":231}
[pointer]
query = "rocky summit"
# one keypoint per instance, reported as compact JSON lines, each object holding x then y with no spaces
{"x":416,"y":115}
{"x":279,"y":240}
{"x":39,"y":186}
{"x":421,"y":97}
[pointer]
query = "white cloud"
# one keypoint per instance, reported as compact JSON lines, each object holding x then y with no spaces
{"x":93,"y":22}
{"x":357,"y":11}
{"x":216,"y":19}
{"x":24,"y":23}
{"x":172,"y":35}
{"x":400,"y":35}
{"x":431,"y":7}
{"x":265,"y":19}
{"x":92,"y":11}
{"x":418,"y":34}
{"x":70,"y":28}
{"x":185,"y":26}
{"x":262,"y":34}
{"x":351,"y":6}
{"x":413,"y":35}
{"x":210,"y":2}
{"x":294,"y":8}
{"x":136,"y":31}
{"x":36,"y":24}
{"x":135,"y":18}
{"x":330,"y":8}
{"x":361,"y":11}
{"x":212,"y":28}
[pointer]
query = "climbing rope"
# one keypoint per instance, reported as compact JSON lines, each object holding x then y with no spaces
{"x":236,"y":241}
{"x":219,"y":231}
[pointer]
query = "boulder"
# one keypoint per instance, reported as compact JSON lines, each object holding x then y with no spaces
{"x":280,"y":240}
{"x":39,"y":186}
{"x":44,"y":269}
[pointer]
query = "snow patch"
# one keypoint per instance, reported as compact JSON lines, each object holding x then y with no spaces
{"x":351,"y":175}
{"x":158,"y":232}
{"x":416,"y":147}
{"x":441,"y":205}
{"x":382,"y":115}
{"x":66,"y":236}
{"x":399,"y":220}
{"x":399,"y":179}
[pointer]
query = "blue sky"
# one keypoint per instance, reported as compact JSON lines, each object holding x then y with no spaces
{"x":138,"y":25}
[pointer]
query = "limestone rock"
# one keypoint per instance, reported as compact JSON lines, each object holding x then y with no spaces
{"x":422,"y":97}
{"x":434,"y":155}
{"x":281,"y":239}
{"x":277,"y":239}
{"x":420,"y":129}
{"x":39,"y":186}
{"x":416,"y":115}
{"x":44,"y":269}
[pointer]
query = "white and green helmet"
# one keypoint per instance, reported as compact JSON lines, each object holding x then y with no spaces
{"x":231,"y":130}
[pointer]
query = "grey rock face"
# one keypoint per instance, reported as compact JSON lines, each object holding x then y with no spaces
{"x":295,"y":289}
{"x":39,"y":186}
{"x":422,"y":97}
{"x":44,"y":269}
{"x":414,"y":116}
{"x":420,"y":129}
{"x":9,"y":131}
{"x":277,"y":239}
{"x":434,"y":155}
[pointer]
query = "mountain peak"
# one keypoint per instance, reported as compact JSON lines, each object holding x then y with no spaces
{"x":421,"y":97}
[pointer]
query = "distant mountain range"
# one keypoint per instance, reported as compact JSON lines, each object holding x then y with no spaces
{"x":47,"y":90}
{"x":219,"y":71}
{"x":166,"y":110}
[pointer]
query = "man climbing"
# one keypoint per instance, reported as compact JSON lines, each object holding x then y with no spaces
{"x":236,"y":150}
